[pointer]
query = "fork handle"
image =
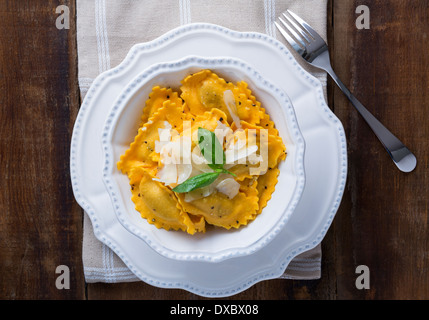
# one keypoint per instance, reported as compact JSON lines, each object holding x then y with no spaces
{"x":404,"y":159}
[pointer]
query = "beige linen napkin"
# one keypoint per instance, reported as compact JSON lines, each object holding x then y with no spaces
{"x":106,"y":30}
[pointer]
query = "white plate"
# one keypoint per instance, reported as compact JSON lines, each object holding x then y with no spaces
{"x":216,"y":244}
{"x":325,"y":161}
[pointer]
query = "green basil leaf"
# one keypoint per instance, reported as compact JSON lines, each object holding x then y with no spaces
{"x":196,"y":182}
{"x":211,"y":148}
{"x":221,"y":170}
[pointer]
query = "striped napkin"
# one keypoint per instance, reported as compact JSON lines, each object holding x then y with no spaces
{"x":106,"y":30}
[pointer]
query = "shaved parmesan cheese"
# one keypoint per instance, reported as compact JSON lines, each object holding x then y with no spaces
{"x":223,"y":132}
{"x":183,"y":172}
{"x":199,"y":193}
{"x":167,"y":174}
{"x":256,"y":158}
{"x":237,"y":150}
{"x":200,"y":164}
{"x":175,"y":155}
{"x":164,"y":136}
{"x":228,"y":187}
{"x":228,"y":98}
{"x":234,"y":155}
{"x":185,"y":150}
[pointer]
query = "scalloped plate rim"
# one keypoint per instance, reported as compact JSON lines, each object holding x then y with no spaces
{"x":189,"y":285}
{"x":203,"y":62}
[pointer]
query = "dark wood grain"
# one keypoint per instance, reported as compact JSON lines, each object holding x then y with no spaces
{"x":40,"y":224}
{"x":383,"y":218}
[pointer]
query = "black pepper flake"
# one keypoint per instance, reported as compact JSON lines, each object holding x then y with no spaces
{"x":168,"y":97}
{"x":153,"y":220}
{"x":266,"y":125}
{"x":239,"y":102}
{"x":265,"y":187}
{"x":254,"y":105}
{"x":236,"y":222}
{"x":154,"y":209}
{"x":193,"y":119}
{"x":139,"y":195}
{"x":145,"y":142}
{"x":212,"y":208}
{"x":220,"y":119}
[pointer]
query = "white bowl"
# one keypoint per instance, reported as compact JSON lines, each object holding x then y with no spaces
{"x":216,"y":244}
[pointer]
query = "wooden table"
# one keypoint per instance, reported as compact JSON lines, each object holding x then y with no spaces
{"x":383,"y":221}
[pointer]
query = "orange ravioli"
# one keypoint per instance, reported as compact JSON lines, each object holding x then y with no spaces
{"x":273,"y":143}
{"x":264,"y":119}
{"x":158,"y":204}
{"x":248,"y":109}
{"x":266,"y":185}
{"x":208,"y":120}
{"x":218,"y":210}
{"x":204,"y":90}
{"x":268,"y":124}
{"x":142,"y":150}
{"x":232,"y":200}
{"x":156,"y":100}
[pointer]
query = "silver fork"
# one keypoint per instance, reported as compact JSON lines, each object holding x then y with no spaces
{"x":314,"y":50}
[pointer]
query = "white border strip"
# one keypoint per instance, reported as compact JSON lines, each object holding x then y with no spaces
{"x":101,"y":35}
{"x":270,"y":17}
{"x":185,"y":11}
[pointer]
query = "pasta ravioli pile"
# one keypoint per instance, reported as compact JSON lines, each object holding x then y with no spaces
{"x":171,"y":117}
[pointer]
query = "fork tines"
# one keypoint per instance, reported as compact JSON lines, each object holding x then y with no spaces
{"x":296,"y":31}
